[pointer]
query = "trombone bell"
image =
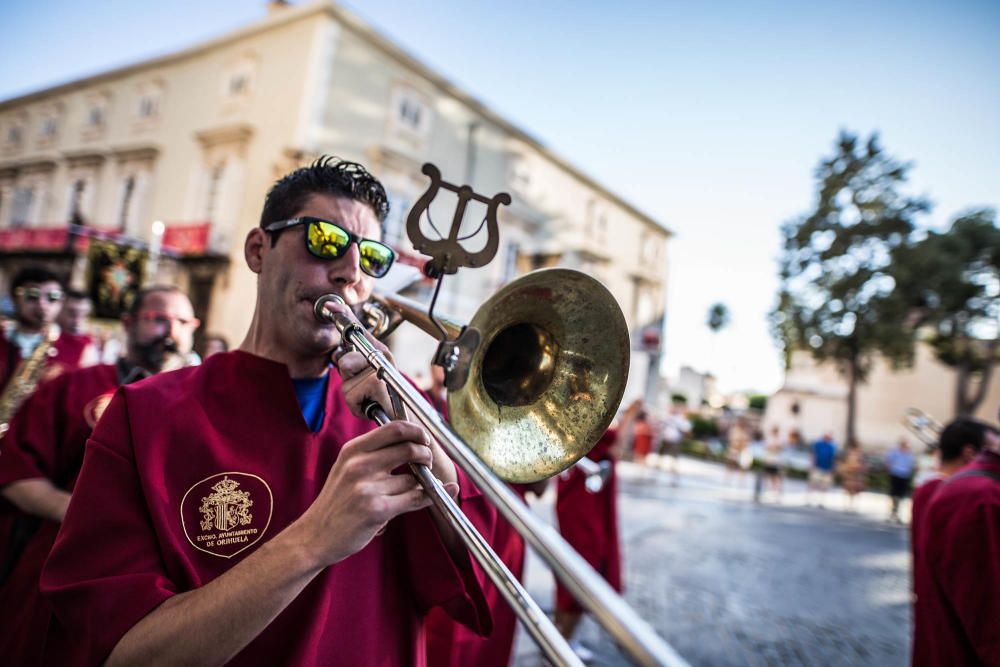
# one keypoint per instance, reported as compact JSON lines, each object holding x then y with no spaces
{"x":548,"y":376}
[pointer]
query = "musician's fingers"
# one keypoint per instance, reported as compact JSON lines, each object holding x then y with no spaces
{"x":352,"y":364}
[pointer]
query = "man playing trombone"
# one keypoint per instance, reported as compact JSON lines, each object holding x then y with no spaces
{"x":241,"y":512}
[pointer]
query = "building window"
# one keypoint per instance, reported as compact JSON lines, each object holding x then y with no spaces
{"x":395,"y":222}
{"x":147,"y":107}
{"x":128,"y":190}
{"x":24,"y":199}
{"x":214,"y":191}
{"x":76,"y":202}
{"x":239,"y":83}
{"x":148,"y":100}
{"x":14,"y":135}
{"x":239,"y":78}
{"x":410,"y":113}
{"x":95,"y":118}
{"x":49,"y":127}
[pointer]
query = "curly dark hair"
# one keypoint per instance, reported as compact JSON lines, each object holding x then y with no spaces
{"x":33,"y":274}
{"x":328,"y":176}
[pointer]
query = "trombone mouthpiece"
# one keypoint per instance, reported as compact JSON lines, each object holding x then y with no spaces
{"x":319,"y":308}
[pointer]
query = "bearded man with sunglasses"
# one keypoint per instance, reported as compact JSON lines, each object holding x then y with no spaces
{"x":38,"y":297}
{"x":41,"y":454}
{"x":244,"y":512}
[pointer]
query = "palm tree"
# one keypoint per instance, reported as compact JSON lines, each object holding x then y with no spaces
{"x":718,"y":317}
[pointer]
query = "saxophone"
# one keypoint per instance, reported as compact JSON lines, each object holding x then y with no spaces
{"x":25,"y":379}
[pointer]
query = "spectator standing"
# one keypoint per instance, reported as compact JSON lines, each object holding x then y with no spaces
{"x":774,"y":450}
{"x":738,"y":457}
{"x":824,"y":453}
{"x":675,"y":428}
{"x":853,"y":473}
{"x":642,"y":437}
{"x":900,"y":462}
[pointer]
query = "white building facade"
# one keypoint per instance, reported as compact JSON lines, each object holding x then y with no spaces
{"x":196,"y":138}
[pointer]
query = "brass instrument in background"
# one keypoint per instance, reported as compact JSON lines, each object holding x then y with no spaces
{"x":539,"y":386}
{"x":597,"y":473}
{"x":25,"y":379}
{"x":926,"y":428}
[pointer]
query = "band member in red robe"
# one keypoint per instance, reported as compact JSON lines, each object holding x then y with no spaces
{"x":42,"y":453}
{"x":242,"y":512}
{"x":38,"y":297}
{"x":958,"y":574}
{"x":450,"y":644}
{"x":960,"y":442}
{"x":589,"y":522}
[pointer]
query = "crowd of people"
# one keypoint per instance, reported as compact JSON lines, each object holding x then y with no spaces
{"x":954,"y":524}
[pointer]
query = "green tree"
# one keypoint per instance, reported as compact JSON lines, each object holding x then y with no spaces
{"x":757,"y":401}
{"x":834,"y":297}
{"x":949,"y":284}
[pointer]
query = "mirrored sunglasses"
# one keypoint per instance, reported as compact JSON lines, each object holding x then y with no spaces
{"x":328,"y":240}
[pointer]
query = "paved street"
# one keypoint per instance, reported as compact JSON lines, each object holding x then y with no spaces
{"x":730,"y":582}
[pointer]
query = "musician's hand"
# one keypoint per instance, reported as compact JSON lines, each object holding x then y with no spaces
{"x":361,"y":495}
{"x":361,"y":383}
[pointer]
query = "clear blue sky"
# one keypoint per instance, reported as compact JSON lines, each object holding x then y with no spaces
{"x":709,"y":116}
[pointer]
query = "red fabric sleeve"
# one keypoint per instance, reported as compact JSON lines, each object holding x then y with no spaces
{"x":97,"y":592}
{"x":28,"y":450}
{"x":971,"y":575}
{"x":455,"y":584}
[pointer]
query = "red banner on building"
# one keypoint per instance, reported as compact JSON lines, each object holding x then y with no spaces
{"x":33,"y":239}
{"x":187,"y":239}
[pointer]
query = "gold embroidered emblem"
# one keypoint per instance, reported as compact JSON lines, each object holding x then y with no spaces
{"x":226,"y":508}
{"x":92,"y":411}
{"x":226,"y":513}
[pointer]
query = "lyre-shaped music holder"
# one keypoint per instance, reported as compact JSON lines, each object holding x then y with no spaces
{"x":447,"y":256}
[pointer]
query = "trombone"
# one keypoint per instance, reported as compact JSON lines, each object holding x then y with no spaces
{"x":926,"y":428}
{"x":542,"y":388}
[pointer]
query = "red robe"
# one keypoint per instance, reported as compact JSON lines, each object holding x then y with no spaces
{"x":589,"y":522}
{"x":68,"y":348}
{"x":922,"y":497}
{"x":452,"y":645}
{"x":46,"y":440}
{"x":190,"y":472}
{"x":958,"y":571}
